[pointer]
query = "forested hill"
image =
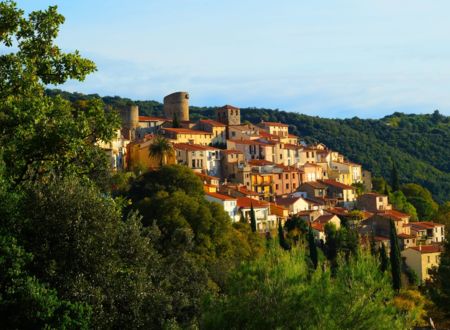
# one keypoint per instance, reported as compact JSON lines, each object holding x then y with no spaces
{"x":418,"y":144}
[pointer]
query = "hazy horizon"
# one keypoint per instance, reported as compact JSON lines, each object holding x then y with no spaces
{"x":334,"y":60}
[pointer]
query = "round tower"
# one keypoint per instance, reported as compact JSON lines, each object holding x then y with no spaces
{"x":177,"y":104}
{"x":130,"y":121}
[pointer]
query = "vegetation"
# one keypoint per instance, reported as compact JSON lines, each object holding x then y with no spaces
{"x":395,"y":258}
{"x":160,"y":148}
{"x":278,"y":291}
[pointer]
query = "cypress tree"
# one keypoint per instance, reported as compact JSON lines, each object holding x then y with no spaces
{"x":394,"y":178}
{"x":243,"y":219}
{"x":384,"y":261}
{"x":395,"y":259}
{"x":281,"y":237}
{"x":373,"y":248}
{"x":331,"y":246}
{"x":252,"y":219}
{"x":312,"y":248}
{"x":175,"y":121}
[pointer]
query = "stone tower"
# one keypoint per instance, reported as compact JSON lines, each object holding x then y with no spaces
{"x":130,"y":122}
{"x":177,"y":103}
{"x":229,"y":115}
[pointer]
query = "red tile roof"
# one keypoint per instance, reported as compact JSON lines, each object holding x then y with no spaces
{"x":259,"y":162}
{"x":427,"y":248}
{"x":393,"y":214}
{"x":318,"y":226}
{"x":324,"y":218}
{"x":405,"y":236}
{"x":220,"y":196}
{"x":268,"y":135}
{"x":314,"y":184}
{"x":425,"y":225}
{"x":186,"y":131}
{"x":336,"y":184}
{"x":212,"y":122}
{"x":246,"y":202}
{"x":232,"y":151}
{"x":150,"y":118}
{"x":227,"y":106}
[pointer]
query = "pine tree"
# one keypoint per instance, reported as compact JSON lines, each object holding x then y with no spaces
{"x":312,"y":248}
{"x":252,"y":219}
{"x":281,"y":237}
{"x":395,"y":259}
{"x":175,"y":121}
{"x":384,"y":261}
{"x":441,"y":281}
{"x":394,"y":178}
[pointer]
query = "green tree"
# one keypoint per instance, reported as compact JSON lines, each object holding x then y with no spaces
{"x":399,"y":202}
{"x":395,"y":258}
{"x":332,"y":246}
{"x":313,"y":255}
{"x":281,"y":238}
{"x":440,"y":288}
{"x":278,"y":291}
{"x":384,"y":260}
{"x":175,"y":121}
{"x":26,"y":303}
{"x":421,"y":199}
{"x":394,"y":178}
{"x":43,"y":136}
{"x":160,"y":148}
{"x":252,"y":219}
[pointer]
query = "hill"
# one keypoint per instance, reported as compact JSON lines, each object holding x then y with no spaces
{"x":418,"y":144}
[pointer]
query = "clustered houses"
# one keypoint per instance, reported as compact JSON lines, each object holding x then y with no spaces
{"x":265,"y":167}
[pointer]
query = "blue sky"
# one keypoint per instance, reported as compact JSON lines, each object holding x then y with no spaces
{"x":327,"y":58}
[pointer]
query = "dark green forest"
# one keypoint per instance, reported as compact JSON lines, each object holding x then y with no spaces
{"x":417,"y":144}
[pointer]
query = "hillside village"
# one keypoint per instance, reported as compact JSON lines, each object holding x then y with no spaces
{"x":266,"y":170}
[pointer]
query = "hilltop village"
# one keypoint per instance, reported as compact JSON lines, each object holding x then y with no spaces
{"x":264,"y":169}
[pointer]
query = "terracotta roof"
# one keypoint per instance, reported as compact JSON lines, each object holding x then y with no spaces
{"x":373,"y":194}
{"x":315,"y":184}
{"x":271,"y":123}
{"x":186,"y":131}
{"x":220,"y":196}
{"x":287,"y":200}
{"x":394,"y":214}
{"x":259,"y":162}
{"x":425,"y":225}
{"x":192,"y":147}
{"x":290,"y":146}
{"x":246,"y":202}
{"x":336,"y":184}
{"x":338,"y":211}
{"x":405,"y":236}
{"x":318,"y":226}
{"x":150,"y":118}
{"x":427,"y":248}
{"x":212,"y":122}
{"x":250,"y":142}
{"x":227,"y":106}
{"x":292,"y":136}
{"x":324,"y":218}
{"x":206,"y":176}
{"x":311,"y":165}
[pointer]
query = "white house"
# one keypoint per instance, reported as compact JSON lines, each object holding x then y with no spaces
{"x":294,"y":204}
{"x":264,"y":220}
{"x":228,"y":203}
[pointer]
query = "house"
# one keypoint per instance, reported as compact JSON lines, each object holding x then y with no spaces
{"x":217,"y":129}
{"x":116,"y":150}
{"x":344,"y":193}
{"x":318,"y":225}
{"x":186,"y":135}
{"x":138,"y":154}
{"x":286,"y":179}
{"x":293,"y":204}
{"x":428,"y":232}
{"x":374,"y":202}
{"x":228,"y":203}
{"x":230,"y":162}
{"x":279,"y":129}
{"x":380,"y":223}
{"x":313,"y":189}
{"x":198,"y":157}
{"x":311,"y":172}
{"x":264,"y":220}
{"x":243,"y":132}
{"x":422,"y":258}
{"x":238,"y":190}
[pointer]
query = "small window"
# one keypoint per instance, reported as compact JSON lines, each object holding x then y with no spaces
{"x":286,"y":176}
{"x":428,"y":259}
{"x":287,"y":185}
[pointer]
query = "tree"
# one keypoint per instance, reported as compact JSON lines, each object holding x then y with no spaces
{"x":440,"y":289}
{"x":175,"y":121}
{"x":312,"y":249}
{"x":252,"y":219}
{"x":160,"y":148}
{"x":400,"y":203}
{"x":44,"y":136}
{"x":281,"y":238}
{"x":384,"y":260}
{"x":395,"y":258}
{"x":394,"y":178}
{"x":421,"y":199}
{"x":331,"y":245}
{"x":278,"y":291}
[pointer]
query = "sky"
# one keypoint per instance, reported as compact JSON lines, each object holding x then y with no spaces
{"x":328,"y":58}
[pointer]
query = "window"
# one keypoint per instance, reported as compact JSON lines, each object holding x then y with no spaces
{"x":279,"y":176}
{"x":277,"y":186}
{"x":287,"y":185}
{"x":233,"y":134}
{"x":193,"y":163}
{"x":286,"y":176}
{"x":428,"y":259}
{"x":293,"y":186}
